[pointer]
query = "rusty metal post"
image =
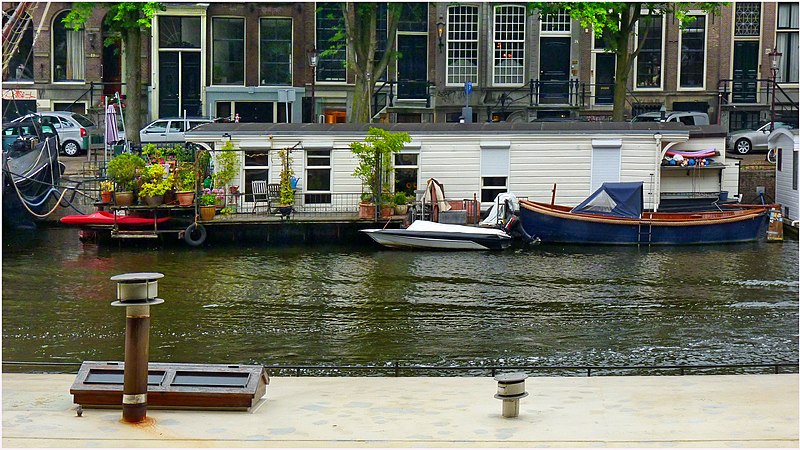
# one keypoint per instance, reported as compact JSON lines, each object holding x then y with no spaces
{"x":136,"y":292}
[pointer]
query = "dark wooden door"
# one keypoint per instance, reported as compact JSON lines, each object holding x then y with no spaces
{"x":168,"y":82}
{"x":554,"y":70}
{"x":412,"y":67}
{"x":745,"y":71}
{"x":190,"y":84}
{"x":605,"y":68}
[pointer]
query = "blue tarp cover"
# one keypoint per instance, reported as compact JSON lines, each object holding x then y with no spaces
{"x":615,"y":199}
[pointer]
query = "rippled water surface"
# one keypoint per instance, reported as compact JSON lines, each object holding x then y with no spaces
{"x":363,"y":305}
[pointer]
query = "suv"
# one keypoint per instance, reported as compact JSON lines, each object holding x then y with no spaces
{"x":72,"y":128}
{"x":684,"y":117}
{"x":170,"y":129}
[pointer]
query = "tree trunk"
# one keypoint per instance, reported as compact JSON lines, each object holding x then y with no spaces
{"x":362,"y":95}
{"x":132,"y":42}
{"x":621,"y":85}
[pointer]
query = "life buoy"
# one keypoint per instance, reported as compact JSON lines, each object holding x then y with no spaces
{"x":195,"y":234}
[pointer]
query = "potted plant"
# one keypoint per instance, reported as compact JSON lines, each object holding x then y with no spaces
{"x":387,"y":205}
{"x":374,"y":165}
{"x":287,"y":190}
{"x":122,"y":170}
{"x":208,"y":204}
{"x":186,"y":184}
{"x":226,"y":166}
{"x":106,"y":191}
{"x":155,"y":183}
{"x":400,"y":203}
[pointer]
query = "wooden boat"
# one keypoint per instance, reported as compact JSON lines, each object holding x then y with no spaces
{"x":614,"y":215}
{"x":107,"y":218}
{"x":423,"y":234}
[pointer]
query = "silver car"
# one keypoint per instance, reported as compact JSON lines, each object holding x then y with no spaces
{"x":746,"y":141}
{"x":73,"y":129}
{"x":169,"y":129}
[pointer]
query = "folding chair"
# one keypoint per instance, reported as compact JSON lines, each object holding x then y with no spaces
{"x":259,"y":191}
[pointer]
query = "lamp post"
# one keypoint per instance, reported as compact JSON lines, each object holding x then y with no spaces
{"x":775,"y":57}
{"x":440,"y":32}
{"x":312,"y":62}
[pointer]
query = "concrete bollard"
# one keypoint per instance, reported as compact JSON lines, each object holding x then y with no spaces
{"x":511,"y":388}
{"x":136,"y":292}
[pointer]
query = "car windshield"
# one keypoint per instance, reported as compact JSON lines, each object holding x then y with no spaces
{"x":82,"y":120}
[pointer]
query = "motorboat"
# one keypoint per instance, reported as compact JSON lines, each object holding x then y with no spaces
{"x":614,"y":214}
{"x":423,"y":234}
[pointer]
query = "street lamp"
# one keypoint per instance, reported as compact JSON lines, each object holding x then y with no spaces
{"x":775,"y":57}
{"x":440,"y":32}
{"x":312,"y":62}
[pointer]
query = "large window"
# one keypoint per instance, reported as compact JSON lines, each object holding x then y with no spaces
{"x":20,"y":65}
{"x":509,"y":45}
{"x":318,"y":176}
{"x":330,"y":43}
{"x":693,"y":49}
{"x":462,"y":44}
{"x":405,"y":173}
{"x":787,"y":42}
{"x":178,"y":32}
{"x":68,"y":59}
{"x":228,"y":50}
{"x":256,"y":168}
{"x":650,"y":59}
{"x":276,"y":52}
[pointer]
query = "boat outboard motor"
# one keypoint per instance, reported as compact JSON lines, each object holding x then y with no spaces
{"x":515,"y":229}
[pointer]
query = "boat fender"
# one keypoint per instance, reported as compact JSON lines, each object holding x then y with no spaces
{"x":195,"y":234}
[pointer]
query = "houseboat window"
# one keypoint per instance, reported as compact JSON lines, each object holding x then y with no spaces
{"x":794,"y":170}
{"x":406,"y":170}
{"x":20,"y":65}
{"x":648,"y":63}
{"x":68,"y":59}
{"x":509,"y":45}
{"x":276,"y":52}
{"x":228,"y":51}
{"x":493,"y":186}
{"x":332,"y":55}
{"x":318,"y":176}
{"x":693,"y":47}
{"x":779,"y":158}
{"x":462,"y":44}
{"x":256,"y":167}
{"x":787,"y":41}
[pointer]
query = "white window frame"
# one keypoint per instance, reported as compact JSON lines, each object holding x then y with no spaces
{"x":245,"y":167}
{"x":519,"y":42}
{"x":329,"y":167}
{"x":458,"y":79}
{"x":563,"y":20}
{"x":636,"y":64}
{"x":786,"y":31}
{"x":53,"y":56}
{"x":244,"y":51}
{"x":291,"y":57}
{"x":406,"y":166}
{"x":705,"y":54}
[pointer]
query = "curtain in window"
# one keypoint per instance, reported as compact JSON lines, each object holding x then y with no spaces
{"x":75,"y":59}
{"x":787,"y":44}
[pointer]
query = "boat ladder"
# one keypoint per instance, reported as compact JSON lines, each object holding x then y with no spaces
{"x":645,"y":229}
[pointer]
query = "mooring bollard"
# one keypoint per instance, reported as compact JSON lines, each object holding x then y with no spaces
{"x":136,"y":292}
{"x":511,"y":388}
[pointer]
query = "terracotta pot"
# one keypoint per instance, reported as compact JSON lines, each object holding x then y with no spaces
{"x":124,"y":198}
{"x":105,"y":197}
{"x":208,"y":212}
{"x":155,"y":200}
{"x":366,"y":211}
{"x":185,"y":198}
{"x":386,"y":212}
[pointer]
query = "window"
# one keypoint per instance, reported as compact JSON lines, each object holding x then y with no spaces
{"x":157,"y":127}
{"x":779,"y":159}
{"x":176,"y":126}
{"x":509,"y":45}
{"x":744,"y":120}
{"x":413,"y":17}
{"x":787,"y":42}
{"x":794,"y":170}
{"x":276,"y":52}
{"x":68,"y":60}
{"x":558,"y":22}
{"x":76,"y":107}
{"x":405,"y":173}
{"x":256,"y":167}
{"x":228,"y":51}
{"x":462,"y":44}
{"x":693,"y":61}
{"x":318,"y":176}
{"x":491,"y":187}
{"x":649,"y":60}
{"x":178,"y":32}
{"x":494,"y":169}
{"x":330,"y":25}
{"x":748,"y":19}
{"x":20,"y":65}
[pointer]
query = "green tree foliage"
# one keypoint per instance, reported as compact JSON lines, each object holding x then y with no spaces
{"x":374,"y":157}
{"x":127,"y":22}
{"x":616,"y":23}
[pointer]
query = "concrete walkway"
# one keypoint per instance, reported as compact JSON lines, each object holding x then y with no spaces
{"x":657,"y":411}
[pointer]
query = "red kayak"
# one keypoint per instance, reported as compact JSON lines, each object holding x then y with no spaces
{"x":107,"y":218}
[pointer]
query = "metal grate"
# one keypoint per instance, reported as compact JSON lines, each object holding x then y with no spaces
{"x":748,"y":19}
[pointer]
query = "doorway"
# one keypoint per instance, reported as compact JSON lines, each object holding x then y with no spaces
{"x":604,"y":70}
{"x":412,"y":67}
{"x":112,"y":64}
{"x":554,"y":54}
{"x":179,"y":84}
{"x":745,"y":71}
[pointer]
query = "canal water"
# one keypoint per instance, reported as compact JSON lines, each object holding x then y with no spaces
{"x":345,"y":305}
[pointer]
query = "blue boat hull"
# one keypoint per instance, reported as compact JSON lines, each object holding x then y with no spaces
{"x":565,"y":227}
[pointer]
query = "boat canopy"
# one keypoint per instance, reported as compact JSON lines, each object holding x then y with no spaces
{"x":615,"y":199}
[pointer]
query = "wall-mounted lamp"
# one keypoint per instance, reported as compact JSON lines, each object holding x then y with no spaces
{"x":92,"y":39}
{"x":440,"y":32}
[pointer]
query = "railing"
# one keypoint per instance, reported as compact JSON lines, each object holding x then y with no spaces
{"x":406,"y":90}
{"x":754,"y":91}
{"x":397,"y":369}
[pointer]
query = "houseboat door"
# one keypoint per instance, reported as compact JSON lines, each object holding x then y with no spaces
{"x":554,"y":70}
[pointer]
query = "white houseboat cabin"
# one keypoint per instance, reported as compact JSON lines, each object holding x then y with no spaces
{"x":484,"y":159}
{"x":785,"y":145}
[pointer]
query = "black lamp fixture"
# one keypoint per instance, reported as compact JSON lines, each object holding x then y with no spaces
{"x":775,"y":59}
{"x":313,"y":59}
{"x":440,"y":32}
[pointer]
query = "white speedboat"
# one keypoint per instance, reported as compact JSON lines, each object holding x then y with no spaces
{"x":432,"y":235}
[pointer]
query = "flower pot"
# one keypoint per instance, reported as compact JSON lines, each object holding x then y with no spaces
{"x":366,"y":211}
{"x":285,"y":210}
{"x":185,"y":198}
{"x":124,"y":198}
{"x":401,"y":210}
{"x":169,"y":197}
{"x":386,"y":212}
{"x":105,"y":197}
{"x":154,"y":200}
{"x":208,"y":212}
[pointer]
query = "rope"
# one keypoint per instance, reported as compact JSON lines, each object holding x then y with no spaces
{"x":25,"y":202}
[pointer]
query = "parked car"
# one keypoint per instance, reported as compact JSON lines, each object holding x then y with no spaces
{"x":169,"y":129}
{"x":746,"y":141}
{"x":26,"y":129}
{"x":72,"y":128}
{"x":684,"y":117}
